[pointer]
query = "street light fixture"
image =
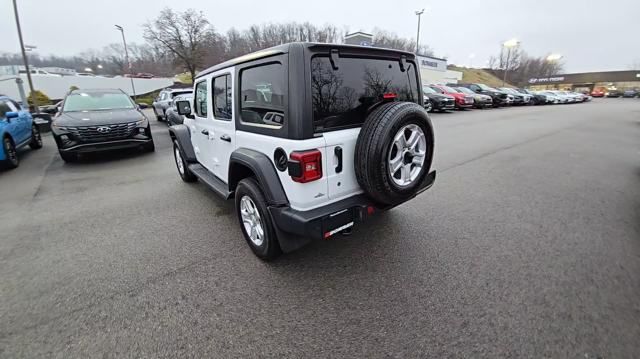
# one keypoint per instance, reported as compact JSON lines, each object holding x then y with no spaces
{"x":126,"y":58}
{"x":24,"y":58}
{"x":554,"y":57}
{"x":509,"y":44}
{"x":419,"y":14}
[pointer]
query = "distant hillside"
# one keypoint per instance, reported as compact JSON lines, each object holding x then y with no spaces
{"x":479,"y":76}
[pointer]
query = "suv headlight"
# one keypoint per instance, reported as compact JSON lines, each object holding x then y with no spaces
{"x":142,"y":123}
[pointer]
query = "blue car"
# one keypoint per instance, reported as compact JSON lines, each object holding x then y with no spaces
{"x":17,"y":130}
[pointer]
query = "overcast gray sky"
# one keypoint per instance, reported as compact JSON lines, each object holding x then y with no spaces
{"x":592,"y":35}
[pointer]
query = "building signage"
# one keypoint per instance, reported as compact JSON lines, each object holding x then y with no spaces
{"x":543,"y":80}
{"x":431,"y":63}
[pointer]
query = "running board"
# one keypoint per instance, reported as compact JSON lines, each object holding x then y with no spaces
{"x":210,"y":180}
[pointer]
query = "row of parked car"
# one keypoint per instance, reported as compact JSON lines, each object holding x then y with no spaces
{"x":475,"y":95}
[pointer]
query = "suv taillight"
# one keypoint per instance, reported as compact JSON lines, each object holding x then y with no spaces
{"x":305,"y":166}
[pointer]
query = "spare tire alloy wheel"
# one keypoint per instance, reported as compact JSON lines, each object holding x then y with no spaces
{"x":407,"y":155}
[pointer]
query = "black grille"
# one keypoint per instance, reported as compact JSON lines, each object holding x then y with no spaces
{"x":103,"y":133}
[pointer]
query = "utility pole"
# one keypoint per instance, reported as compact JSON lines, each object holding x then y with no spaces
{"x":126,"y":58}
{"x":26,"y":61}
{"x":419,"y":13}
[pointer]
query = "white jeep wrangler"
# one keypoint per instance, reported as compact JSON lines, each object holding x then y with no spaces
{"x":309,"y":139}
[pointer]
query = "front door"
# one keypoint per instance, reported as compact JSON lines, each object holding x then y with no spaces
{"x":223,"y":124}
{"x":202,"y":131}
{"x":23,"y":122}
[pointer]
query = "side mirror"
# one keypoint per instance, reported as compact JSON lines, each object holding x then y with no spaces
{"x":184,"y":108}
{"x":142,"y":105}
{"x":11,"y":114}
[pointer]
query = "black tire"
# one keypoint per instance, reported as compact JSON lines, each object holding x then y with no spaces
{"x":158,"y":117}
{"x":269,"y":248}
{"x":10,"y":153}
{"x":184,"y":172}
{"x":376,"y":144}
{"x":36,"y":137}
{"x":69,"y":156}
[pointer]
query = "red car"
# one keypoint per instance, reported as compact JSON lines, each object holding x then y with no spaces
{"x":597,"y":93}
{"x":463,"y":101}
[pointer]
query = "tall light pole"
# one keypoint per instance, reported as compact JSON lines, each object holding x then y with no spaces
{"x":24,"y":58}
{"x":126,"y":58}
{"x":419,"y":13}
{"x":509,"y":45}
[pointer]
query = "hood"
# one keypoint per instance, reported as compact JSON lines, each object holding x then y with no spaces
{"x":438,"y":96}
{"x":94,"y":118}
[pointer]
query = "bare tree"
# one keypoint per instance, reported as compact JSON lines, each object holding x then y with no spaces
{"x":635,"y":65}
{"x":184,"y":35}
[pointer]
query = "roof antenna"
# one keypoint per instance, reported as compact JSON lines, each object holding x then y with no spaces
{"x":334,"y":58}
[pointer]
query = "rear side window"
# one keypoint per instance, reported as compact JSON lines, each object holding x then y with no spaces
{"x":222,"y":97}
{"x":341,"y":98}
{"x":262,"y":95}
{"x":200,"y":101}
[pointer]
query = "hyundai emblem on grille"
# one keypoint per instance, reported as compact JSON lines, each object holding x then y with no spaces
{"x":104,"y":129}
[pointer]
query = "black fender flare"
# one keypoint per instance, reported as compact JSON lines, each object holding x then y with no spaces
{"x":182,"y":135}
{"x":264,"y":170}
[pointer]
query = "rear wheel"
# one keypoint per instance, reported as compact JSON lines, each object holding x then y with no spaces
{"x":36,"y":137}
{"x":255,"y":222}
{"x":10,"y":154}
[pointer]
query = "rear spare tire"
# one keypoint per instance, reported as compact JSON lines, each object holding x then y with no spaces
{"x":394,"y":151}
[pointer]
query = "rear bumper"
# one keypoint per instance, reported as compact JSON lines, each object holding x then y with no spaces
{"x":296,"y":228}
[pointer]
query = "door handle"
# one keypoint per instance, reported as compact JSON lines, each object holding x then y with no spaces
{"x":338,"y":152}
{"x":205,"y":132}
{"x":225,"y":138}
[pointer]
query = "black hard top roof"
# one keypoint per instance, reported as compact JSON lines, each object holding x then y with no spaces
{"x":283,"y":49}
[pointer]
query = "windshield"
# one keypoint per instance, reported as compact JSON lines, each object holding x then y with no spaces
{"x":465,"y":90}
{"x":95,"y":101}
{"x":178,"y":93}
{"x":427,"y":89}
{"x":436,"y":89}
{"x":485,"y":87}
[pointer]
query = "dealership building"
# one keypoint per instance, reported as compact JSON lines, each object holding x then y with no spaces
{"x":588,"y":81}
{"x":433,"y":70}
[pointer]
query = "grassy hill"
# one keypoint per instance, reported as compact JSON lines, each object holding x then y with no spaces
{"x":479,"y":76}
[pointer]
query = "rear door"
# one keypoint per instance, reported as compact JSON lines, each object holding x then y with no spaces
{"x":343,"y":97}
{"x":202,"y":130}
{"x":223,"y":124}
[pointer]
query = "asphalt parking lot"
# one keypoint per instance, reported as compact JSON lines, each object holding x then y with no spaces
{"x":528,"y":245}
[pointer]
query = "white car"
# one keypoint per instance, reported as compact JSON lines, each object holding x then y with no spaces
{"x":304,"y":160}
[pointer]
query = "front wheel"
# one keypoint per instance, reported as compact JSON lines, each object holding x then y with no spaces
{"x":36,"y":138}
{"x":181,"y":164}
{"x":10,"y":154}
{"x":69,"y":157}
{"x":255,"y":222}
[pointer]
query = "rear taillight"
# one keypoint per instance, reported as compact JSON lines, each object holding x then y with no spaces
{"x":305,"y":166}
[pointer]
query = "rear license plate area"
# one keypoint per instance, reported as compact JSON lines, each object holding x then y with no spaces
{"x":337,"y":222}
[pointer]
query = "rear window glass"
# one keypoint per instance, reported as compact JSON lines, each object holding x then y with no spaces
{"x":262,"y":90}
{"x":341,"y":98}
